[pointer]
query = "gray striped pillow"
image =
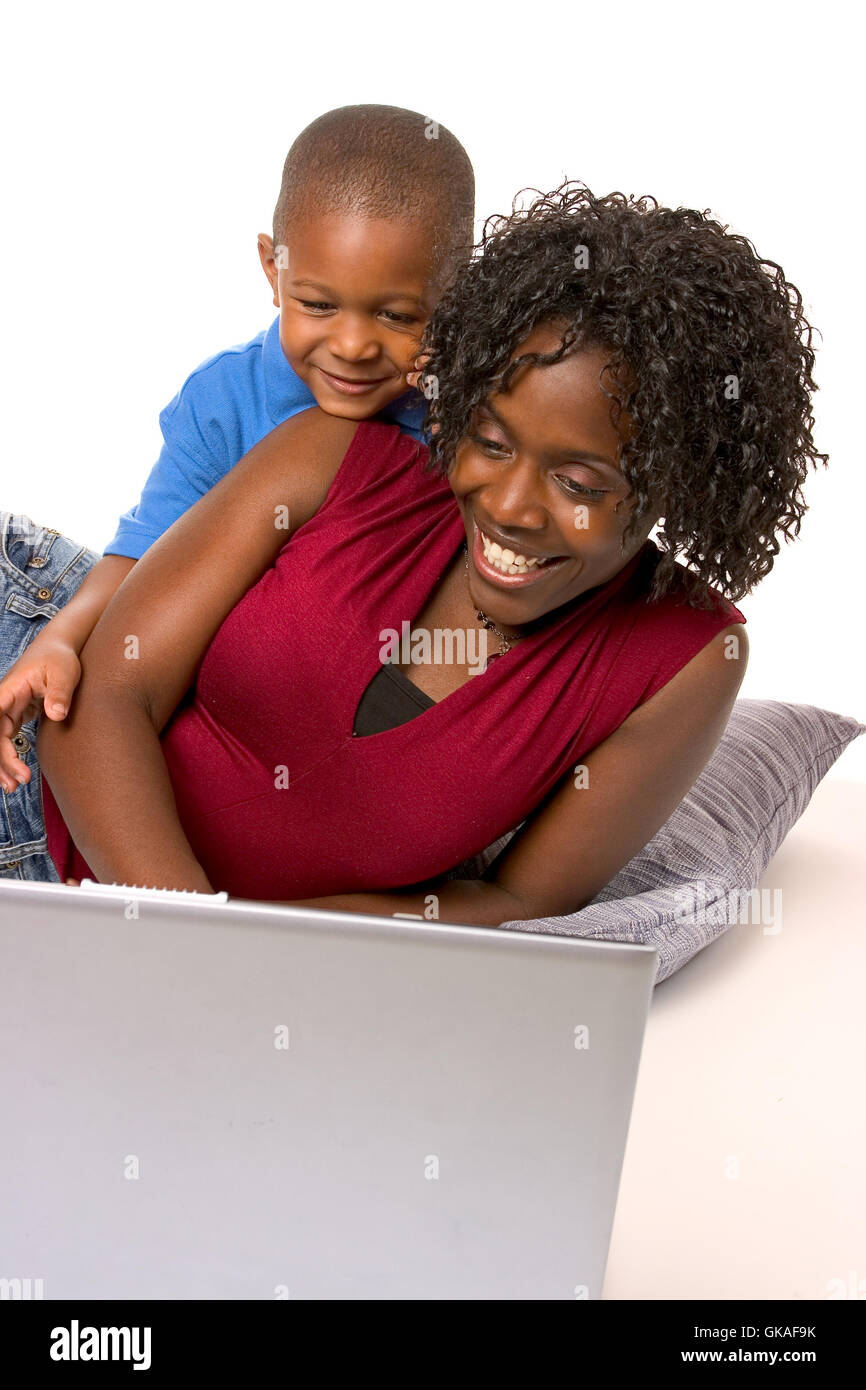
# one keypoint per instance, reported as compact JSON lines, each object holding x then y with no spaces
{"x":697,"y":874}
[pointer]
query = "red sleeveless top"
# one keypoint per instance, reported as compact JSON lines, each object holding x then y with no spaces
{"x":277,"y":796}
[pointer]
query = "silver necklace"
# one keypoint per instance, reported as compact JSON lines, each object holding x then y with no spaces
{"x":505,"y":643}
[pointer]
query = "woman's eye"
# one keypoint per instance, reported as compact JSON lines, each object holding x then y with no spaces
{"x":497,"y":449}
{"x":492,"y":445}
{"x":580,"y":490}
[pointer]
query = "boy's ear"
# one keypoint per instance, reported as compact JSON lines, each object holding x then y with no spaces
{"x":269,"y":264}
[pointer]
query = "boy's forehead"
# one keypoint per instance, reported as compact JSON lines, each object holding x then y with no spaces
{"x":361,"y":255}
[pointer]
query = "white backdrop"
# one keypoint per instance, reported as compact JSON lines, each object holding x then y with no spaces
{"x":142,"y":154}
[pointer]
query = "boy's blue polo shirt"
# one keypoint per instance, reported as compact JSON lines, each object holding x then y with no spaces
{"x":223,"y":408}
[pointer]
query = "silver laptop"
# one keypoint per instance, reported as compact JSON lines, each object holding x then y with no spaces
{"x":212,"y":1098}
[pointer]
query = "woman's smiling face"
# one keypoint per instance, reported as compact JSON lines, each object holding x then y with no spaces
{"x":538,"y":476}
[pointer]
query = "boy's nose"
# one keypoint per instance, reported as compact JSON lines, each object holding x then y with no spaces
{"x":354,"y":345}
{"x":351,"y":352}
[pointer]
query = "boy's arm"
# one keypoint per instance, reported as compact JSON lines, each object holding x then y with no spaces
{"x":202,"y":433}
{"x":195,"y":454}
{"x":77,"y":618}
{"x":48,"y":669}
{"x":193,"y":459}
{"x":105,"y":763}
{"x":201,"y":439}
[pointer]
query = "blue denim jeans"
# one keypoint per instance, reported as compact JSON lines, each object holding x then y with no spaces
{"x":40,"y":570}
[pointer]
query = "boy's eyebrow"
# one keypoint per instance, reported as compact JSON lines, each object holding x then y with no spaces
{"x":582,"y":455}
{"x":389,"y":294}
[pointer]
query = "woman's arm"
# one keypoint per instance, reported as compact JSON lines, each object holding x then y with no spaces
{"x":577,"y":840}
{"x":104,"y":763}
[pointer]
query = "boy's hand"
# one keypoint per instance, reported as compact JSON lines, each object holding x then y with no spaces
{"x":414,"y":377}
{"x":43,"y":678}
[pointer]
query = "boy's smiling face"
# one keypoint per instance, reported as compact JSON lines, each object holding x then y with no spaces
{"x":354,"y":297}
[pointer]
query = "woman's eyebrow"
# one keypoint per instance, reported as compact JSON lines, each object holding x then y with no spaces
{"x":583,"y":456}
{"x":578,"y":455}
{"x":401,"y":294}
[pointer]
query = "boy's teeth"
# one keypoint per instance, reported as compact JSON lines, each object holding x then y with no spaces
{"x":506,"y":560}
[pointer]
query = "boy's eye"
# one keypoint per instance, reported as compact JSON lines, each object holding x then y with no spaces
{"x":322,"y":305}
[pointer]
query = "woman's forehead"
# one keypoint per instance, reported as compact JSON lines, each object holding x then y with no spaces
{"x":564,"y":406}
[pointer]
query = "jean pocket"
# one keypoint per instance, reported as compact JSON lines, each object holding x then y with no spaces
{"x":25,"y":543}
{"x":28,"y":607}
{"x":40,"y":562}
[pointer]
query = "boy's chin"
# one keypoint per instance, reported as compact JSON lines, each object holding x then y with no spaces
{"x":358,"y":407}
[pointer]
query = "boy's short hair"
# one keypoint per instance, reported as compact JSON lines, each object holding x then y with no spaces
{"x":381,"y":162}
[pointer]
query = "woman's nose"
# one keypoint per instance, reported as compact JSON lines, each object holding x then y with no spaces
{"x":514,"y":501}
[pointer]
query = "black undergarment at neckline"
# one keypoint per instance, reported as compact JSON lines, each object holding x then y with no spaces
{"x":389,"y":700}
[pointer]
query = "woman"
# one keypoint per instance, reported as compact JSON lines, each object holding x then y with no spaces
{"x":602,"y":367}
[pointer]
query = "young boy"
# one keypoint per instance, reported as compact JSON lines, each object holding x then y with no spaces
{"x":375,"y":211}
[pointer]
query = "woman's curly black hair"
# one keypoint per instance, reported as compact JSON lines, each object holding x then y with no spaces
{"x":709,"y":352}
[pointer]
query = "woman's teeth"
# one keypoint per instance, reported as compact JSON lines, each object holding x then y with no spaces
{"x":507,"y":561}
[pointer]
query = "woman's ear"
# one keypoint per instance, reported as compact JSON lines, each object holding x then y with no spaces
{"x":267,"y":256}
